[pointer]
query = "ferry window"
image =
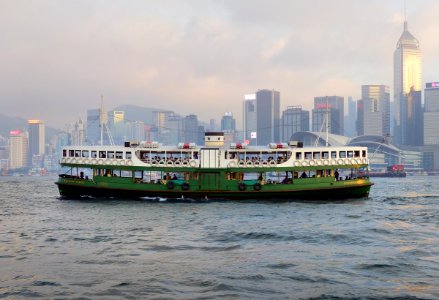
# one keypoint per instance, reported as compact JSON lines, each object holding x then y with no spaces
{"x":102,"y":154}
{"x":119,"y":154}
{"x":64,"y":153}
{"x":308,"y":155}
{"x":350,"y":154}
{"x":72,"y":153}
{"x":325,"y":154}
{"x":342,"y":154}
{"x":94,"y":154}
{"x":77,"y":153}
{"x":357,"y":153}
{"x":138,"y":174}
{"x":333,"y":154}
{"x":110,"y":154}
{"x":298,"y":155}
{"x":316,"y":155}
{"x":128,"y":155}
{"x":85,"y":153}
{"x":364,"y":153}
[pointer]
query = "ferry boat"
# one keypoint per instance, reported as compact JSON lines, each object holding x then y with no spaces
{"x":279,"y":171}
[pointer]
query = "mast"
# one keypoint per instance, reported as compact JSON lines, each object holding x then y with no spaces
{"x":327,"y":122}
{"x":101,"y":120}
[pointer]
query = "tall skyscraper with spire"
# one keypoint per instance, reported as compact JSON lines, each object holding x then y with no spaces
{"x":407,"y":65}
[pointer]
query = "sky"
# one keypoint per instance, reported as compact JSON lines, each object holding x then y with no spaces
{"x":58,"y":57}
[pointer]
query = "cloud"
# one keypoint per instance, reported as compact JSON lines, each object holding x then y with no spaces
{"x":199,"y":57}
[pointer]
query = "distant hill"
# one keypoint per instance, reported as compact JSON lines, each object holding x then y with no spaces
{"x":11,"y":123}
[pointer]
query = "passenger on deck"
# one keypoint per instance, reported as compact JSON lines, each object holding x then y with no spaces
{"x":174,"y":177}
{"x":336,"y":175}
{"x":303,"y":175}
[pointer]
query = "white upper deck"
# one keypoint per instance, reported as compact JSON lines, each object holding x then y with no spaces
{"x":147,"y":154}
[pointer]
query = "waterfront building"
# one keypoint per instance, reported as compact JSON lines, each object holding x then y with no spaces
{"x":18,"y":149}
{"x":331,"y":107}
{"x":249,"y":119}
{"x":431,"y":113}
{"x":407,"y":79}
{"x":294,"y":119}
{"x":267,"y":117}
{"x":375,"y":102}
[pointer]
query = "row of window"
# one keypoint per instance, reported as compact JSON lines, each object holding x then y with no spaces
{"x":330,"y":154}
{"x":96,"y":154}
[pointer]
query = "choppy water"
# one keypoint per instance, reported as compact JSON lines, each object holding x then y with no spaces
{"x":386,"y":246}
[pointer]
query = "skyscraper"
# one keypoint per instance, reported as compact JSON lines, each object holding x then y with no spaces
{"x":294,"y":119}
{"x":331,"y":107}
{"x":93,"y":126}
{"x":190,"y":129}
{"x":431,"y":114}
{"x":36,"y":139}
{"x":228,"y":123}
{"x":350,"y":119}
{"x":267,"y":116}
{"x":407,"y":78}
{"x":374,"y":110}
{"x":249,"y":118}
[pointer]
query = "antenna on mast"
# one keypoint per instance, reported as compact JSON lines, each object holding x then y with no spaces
{"x":101,"y":120}
{"x":405,"y":15}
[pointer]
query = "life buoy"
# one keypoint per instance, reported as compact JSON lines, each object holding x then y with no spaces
{"x":348,"y":161}
{"x":272,"y":163}
{"x":326,"y":162}
{"x":94,"y":161}
{"x":129,"y":163}
{"x":249,"y":164}
{"x":153,"y":163}
{"x":177,"y":163}
{"x":265,"y":163}
{"x":232,"y":164}
{"x":340,"y":161}
{"x":185,"y":186}
{"x":122,"y":163}
{"x":169,"y":163}
{"x":114,"y":162}
{"x":241,"y":186}
{"x":304,"y":163}
{"x":257,"y":163}
{"x":170,"y":184}
{"x":257,"y":187}
{"x":355,"y":161}
{"x":312,"y":162}
{"x":296,"y":163}
{"x":319,"y":162}
{"x":185,"y":163}
{"x":73,"y":161}
{"x":192,"y":163}
{"x":333,"y":161}
{"x":162,"y":162}
{"x":241,"y":163}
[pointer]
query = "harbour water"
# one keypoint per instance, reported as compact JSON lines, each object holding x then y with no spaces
{"x":386,"y":246}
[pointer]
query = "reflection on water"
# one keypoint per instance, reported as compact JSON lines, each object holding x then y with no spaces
{"x":382,"y":247}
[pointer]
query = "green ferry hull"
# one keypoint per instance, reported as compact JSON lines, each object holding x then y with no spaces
{"x":326,"y":191}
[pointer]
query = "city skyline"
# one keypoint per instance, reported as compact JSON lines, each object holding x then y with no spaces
{"x":199,"y":54}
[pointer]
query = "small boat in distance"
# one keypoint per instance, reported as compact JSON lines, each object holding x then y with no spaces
{"x":214,"y":171}
{"x":391,"y":171}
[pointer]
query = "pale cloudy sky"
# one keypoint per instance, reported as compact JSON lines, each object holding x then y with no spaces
{"x":57,"y":57}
